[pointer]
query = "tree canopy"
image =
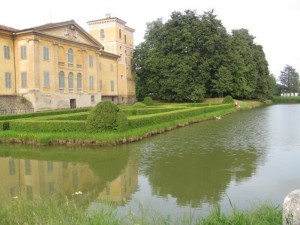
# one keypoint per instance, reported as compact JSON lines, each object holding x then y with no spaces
{"x":192,"y":56}
{"x":289,"y":79}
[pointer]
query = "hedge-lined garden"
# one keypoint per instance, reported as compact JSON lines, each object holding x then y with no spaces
{"x":106,"y":118}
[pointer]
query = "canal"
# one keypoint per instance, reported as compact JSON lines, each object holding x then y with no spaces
{"x":244,"y":158}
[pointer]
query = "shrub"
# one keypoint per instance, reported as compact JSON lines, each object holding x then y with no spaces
{"x":6,"y":125}
{"x":228,"y":99}
{"x":139,"y":105}
{"x":148,"y":101}
{"x":106,"y":116}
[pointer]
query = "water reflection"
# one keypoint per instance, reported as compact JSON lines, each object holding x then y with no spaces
{"x":196,"y":164}
{"x":95,"y":176}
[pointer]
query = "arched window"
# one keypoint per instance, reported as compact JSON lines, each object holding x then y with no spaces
{"x":79,"y":81}
{"x":71,"y":80}
{"x":61,"y":79}
{"x":102,"y":34}
{"x":70,"y":56}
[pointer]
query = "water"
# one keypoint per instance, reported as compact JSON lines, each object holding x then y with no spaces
{"x":246,"y":158}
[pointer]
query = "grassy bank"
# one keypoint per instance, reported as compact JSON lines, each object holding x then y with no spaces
{"x":49,"y":211}
{"x":286,"y":99}
{"x":144,"y":122}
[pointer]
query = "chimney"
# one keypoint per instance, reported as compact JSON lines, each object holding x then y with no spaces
{"x":107,"y":15}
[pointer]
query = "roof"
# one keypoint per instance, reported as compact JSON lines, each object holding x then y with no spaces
{"x":6,"y":28}
{"x":47,"y":26}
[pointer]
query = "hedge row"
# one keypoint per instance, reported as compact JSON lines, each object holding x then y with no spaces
{"x":42,"y":113}
{"x":141,"y":121}
{"x":68,"y":117}
{"x":146,"y":111}
{"x":65,"y":125}
{"x":48,"y":126}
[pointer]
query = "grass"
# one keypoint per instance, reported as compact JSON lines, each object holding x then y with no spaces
{"x":50,"y":211}
{"x":286,"y":99}
{"x":112,"y":138}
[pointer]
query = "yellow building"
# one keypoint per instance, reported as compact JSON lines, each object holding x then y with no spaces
{"x":59,"y":65}
{"x":117,"y":38}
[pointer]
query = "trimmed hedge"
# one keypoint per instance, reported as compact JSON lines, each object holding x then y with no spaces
{"x":48,"y":126}
{"x":106,"y":116}
{"x":145,"y":111}
{"x":148,"y":101}
{"x":42,"y":113}
{"x":4,"y":125}
{"x":72,"y":116}
{"x":145,"y":120}
{"x":76,"y":122}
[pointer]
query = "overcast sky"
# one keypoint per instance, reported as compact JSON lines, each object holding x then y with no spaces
{"x":274,"y":23}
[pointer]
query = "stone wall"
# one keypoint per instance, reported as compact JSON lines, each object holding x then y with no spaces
{"x":13,"y":104}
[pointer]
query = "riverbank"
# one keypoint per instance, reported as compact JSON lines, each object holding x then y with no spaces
{"x":79,"y":138}
{"x":50,"y":211}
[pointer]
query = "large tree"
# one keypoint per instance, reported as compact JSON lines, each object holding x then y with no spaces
{"x":192,"y":56}
{"x":289,"y":79}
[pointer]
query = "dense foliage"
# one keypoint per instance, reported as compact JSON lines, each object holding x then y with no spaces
{"x":289,"y":80}
{"x":228,"y":99}
{"x":192,"y":56}
{"x":106,"y":116}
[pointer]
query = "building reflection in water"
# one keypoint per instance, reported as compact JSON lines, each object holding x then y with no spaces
{"x":30,"y":178}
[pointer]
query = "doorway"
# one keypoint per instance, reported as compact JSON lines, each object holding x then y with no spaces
{"x":73,"y":103}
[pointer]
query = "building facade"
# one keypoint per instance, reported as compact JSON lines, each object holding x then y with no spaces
{"x":58,"y":65}
{"x":117,"y":38}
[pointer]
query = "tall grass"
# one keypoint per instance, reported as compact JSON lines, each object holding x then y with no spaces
{"x":53,"y":212}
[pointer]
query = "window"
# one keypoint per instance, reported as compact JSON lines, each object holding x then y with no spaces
{"x":24,"y":79}
{"x":75,"y":180}
{"x":102,"y":34}
{"x":71,"y":81}
{"x":51,"y":188}
{"x":79,"y":81}
{"x":50,"y":166}
{"x":125,"y":38}
{"x":6,"y":52}
{"x":100,"y":84}
{"x":112,"y":85}
{"x":12,"y":167}
{"x":29,"y":192}
{"x":91,"y":82}
{"x":91,"y":61}
{"x":8,"y":80}
{"x":111,"y":67}
{"x":27,"y":167}
{"x":46,"y":79}
{"x":120,"y":33}
{"x":23,"y":52}
{"x":92,"y":98}
{"x":70,"y":56}
{"x":61,"y":79}
{"x":45,"y":53}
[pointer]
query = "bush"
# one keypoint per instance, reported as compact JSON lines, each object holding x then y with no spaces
{"x":228,"y":99}
{"x":139,"y":105}
{"x":148,"y":101}
{"x":106,"y":116}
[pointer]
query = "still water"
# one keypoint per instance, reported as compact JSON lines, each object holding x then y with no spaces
{"x":246,"y":158}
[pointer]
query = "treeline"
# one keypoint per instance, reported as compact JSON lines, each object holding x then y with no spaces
{"x":192,"y":56}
